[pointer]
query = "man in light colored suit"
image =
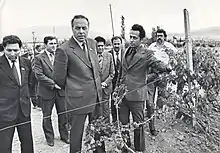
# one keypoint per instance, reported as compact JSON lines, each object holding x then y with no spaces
{"x":76,"y":69}
{"x":107,"y":74}
{"x":135,"y":63}
{"x":50,"y":93}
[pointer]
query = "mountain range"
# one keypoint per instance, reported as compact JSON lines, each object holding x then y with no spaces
{"x":64,"y":32}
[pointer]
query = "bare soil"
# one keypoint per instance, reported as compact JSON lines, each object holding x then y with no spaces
{"x":174,"y":136}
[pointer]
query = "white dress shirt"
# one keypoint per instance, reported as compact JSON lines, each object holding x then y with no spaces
{"x":51,"y":56}
{"x":115,"y":56}
{"x":159,"y":51}
{"x":79,"y":43}
{"x":17,"y":65}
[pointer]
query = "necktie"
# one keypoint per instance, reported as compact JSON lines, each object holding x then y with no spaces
{"x":51,"y":58}
{"x":85,"y":50}
{"x":118,"y":62}
{"x":130,"y":55}
{"x":100,"y":58}
{"x":15,"y":72}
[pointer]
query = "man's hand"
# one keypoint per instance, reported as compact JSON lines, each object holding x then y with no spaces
{"x":104,"y":85}
{"x":57,"y":87}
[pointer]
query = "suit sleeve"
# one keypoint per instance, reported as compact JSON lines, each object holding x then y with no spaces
{"x":111,"y":71}
{"x":154,"y":63}
{"x":60,"y":67}
{"x":30,"y":76}
{"x":41,"y":77}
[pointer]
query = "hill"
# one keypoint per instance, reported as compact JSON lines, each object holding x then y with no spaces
{"x":61,"y":32}
{"x":65,"y":32}
{"x":205,"y":33}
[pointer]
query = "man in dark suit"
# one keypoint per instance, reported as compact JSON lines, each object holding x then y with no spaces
{"x":1,"y":50}
{"x":107,"y":74}
{"x":50,"y":93}
{"x":76,"y":69}
{"x":33,"y":91}
{"x":117,"y":54}
{"x":15,"y":106}
{"x":135,"y":63}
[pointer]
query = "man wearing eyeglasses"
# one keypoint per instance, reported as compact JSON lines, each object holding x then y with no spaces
{"x":15,"y":105}
{"x":50,"y":93}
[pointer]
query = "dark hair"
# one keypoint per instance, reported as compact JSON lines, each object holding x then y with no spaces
{"x":162,"y":31}
{"x":137,"y":27}
{"x":1,"y":48}
{"x":79,"y":17}
{"x":47,"y":38}
{"x":11,"y":39}
{"x":100,"y":39}
{"x":37,"y":46}
{"x":116,"y":37}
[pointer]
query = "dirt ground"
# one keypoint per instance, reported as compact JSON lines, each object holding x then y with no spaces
{"x":172,"y":138}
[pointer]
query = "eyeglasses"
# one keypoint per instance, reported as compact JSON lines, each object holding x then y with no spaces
{"x":100,"y":45}
{"x":52,"y":43}
{"x":10,"y":50}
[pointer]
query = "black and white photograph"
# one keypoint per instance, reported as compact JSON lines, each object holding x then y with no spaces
{"x":109,"y":76}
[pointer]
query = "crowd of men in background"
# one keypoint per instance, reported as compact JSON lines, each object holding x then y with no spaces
{"x":79,"y":78}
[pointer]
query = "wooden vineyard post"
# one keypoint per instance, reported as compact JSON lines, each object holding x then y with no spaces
{"x":188,"y":47}
{"x":2,"y":2}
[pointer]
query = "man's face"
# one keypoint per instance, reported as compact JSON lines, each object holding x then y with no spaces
{"x":80,"y":29}
{"x":51,"y":45}
{"x":38,"y":49}
{"x":116,"y":44}
{"x":12,"y":51}
{"x":100,"y":47}
{"x":160,"y":38}
{"x":135,"y":40}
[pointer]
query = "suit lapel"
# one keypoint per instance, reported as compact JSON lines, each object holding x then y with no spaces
{"x":113,"y":56}
{"x":124,"y":62}
{"x":77,"y":50}
{"x":136,"y":57}
{"x":104,"y":62}
{"x":22,"y":70}
{"x":7,"y":69}
{"x":47,"y":60}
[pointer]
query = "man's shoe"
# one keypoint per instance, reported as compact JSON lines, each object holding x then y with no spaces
{"x":67,"y":141}
{"x":50,"y":143}
{"x":154,"y":132}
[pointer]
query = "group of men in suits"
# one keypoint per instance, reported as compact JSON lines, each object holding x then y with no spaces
{"x":78,"y":77}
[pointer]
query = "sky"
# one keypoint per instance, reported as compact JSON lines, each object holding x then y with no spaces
{"x":168,"y":14}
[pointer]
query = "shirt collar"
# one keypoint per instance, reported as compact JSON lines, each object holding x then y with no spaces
{"x":10,"y":62}
{"x":119,"y":52}
{"x":79,"y":43}
{"x":48,"y":53}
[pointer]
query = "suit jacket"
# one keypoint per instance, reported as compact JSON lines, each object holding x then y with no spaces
{"x":43,"y":71}
{"x":107,"y":72}
{"x":13,"y":95}
{"x":134,"y":73}
{"x":78,"y":75}
{"x":117,"y":72}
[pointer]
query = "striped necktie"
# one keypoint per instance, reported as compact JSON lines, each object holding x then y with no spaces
{"x":15,"y":72}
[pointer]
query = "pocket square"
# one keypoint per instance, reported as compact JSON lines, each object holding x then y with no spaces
{"x":23,"y":69}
